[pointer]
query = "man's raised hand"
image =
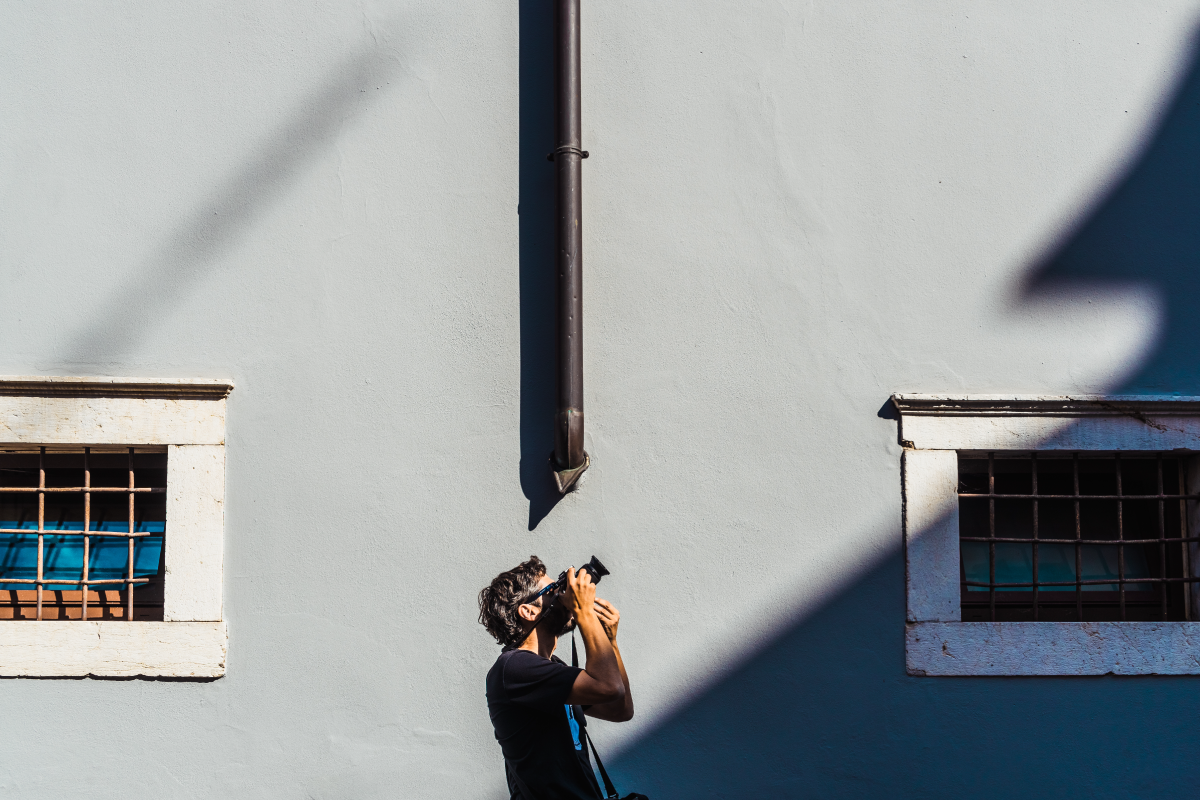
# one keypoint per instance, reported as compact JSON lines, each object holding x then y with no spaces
{"x":581,"y":592}
{"x":609,"y":617}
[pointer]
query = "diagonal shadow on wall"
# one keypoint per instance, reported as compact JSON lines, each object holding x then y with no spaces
{"x":218,"y":225}
{"x":826,"y":709}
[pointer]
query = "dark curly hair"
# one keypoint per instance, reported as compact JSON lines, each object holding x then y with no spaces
{"x":499,"y":601}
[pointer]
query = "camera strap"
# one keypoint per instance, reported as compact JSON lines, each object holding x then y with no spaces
{"x":608,"y":784}
{"x":610,"y":790}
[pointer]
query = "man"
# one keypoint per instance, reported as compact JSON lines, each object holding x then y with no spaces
{"x":535,"y":700}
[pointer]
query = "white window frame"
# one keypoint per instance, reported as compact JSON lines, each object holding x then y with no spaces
{"x":188,"y":417}
{"x":933,"y":430}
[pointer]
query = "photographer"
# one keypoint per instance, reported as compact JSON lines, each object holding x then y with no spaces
{"x":534,"y":699}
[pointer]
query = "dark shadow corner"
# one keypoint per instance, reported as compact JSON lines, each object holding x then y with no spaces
{"x":537,"y":281}
{"x":827,"y":710}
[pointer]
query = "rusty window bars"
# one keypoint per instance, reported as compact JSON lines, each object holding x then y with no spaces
{"x":1050,"y":540}
{"x":128,"y":510}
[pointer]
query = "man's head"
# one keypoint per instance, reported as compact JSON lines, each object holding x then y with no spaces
{"x":505,"y":606}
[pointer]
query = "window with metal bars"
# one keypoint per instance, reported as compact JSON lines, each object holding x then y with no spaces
{"x":1057,"y":536}
{"x":81,"y":533}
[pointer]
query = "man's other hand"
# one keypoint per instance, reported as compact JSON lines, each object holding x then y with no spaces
{"x":609,"y":617}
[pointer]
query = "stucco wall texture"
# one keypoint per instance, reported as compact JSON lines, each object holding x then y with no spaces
{"x":792,"y":210}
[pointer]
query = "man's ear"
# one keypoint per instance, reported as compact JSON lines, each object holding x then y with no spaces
{"x":528,"y":612}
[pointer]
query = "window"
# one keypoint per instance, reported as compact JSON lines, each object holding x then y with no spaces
{"x":1073,"y":537}
{"x":1051,"y":535}
{"x":74,"y":519}
{"x":112,"y":527}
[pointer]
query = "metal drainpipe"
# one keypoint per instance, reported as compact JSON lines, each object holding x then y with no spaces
{"x":570,"y":460}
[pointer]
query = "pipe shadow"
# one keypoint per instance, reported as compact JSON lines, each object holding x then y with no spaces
{"x":826,"y":708}
{"x":537,"y":281}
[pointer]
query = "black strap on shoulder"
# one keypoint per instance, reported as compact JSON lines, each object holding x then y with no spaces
{"x":608,"y":784}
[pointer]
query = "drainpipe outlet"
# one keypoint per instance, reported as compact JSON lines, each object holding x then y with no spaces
{"x":565,"y":478}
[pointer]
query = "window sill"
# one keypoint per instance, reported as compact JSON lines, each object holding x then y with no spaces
{"x":1052,"y":648}
{"x":113,"y":649}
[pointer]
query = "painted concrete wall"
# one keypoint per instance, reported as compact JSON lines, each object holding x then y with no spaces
{"x":793,"y":210}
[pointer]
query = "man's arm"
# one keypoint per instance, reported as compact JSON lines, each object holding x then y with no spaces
{"x":615,"y":710}
{"x":601,"y":681}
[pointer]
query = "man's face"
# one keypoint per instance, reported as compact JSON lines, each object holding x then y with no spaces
{"x":558,"y":620}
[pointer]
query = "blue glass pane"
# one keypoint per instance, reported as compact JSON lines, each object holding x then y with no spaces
{"x":1056,"y":562}
{"x":107,"y":511}
{"x":975,"y":564}
{"x":63,"y":555}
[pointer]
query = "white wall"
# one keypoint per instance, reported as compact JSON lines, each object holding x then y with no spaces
{"x":792,"y":210}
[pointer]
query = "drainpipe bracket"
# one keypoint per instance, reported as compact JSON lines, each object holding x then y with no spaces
{"x":565,"y":479}
{"x":566,"y":150}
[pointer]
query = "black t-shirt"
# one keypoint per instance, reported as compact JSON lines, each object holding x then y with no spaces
{"x":538,"y":732}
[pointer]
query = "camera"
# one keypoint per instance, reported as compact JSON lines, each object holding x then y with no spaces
{"x":593,"y":568}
